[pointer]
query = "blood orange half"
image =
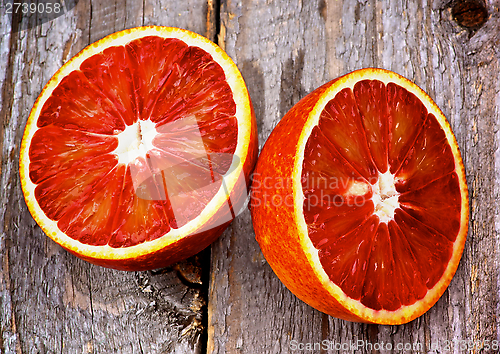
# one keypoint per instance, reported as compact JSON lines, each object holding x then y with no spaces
{"x":359,"y":199}
{"x":137,"y":152}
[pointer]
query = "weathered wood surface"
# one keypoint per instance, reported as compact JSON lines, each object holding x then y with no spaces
{"x":287,"y":48}
{"x":51,"y":302}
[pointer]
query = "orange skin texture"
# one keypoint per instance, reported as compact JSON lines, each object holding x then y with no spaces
{"x":274,"y":163}
{"x":279,"y":236}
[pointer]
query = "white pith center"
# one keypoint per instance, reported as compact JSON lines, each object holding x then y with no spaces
{"x":135,"y":141}
{"x":385,"y":197}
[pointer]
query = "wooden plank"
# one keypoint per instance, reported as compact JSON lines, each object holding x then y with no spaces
{"x":50,"y":301}
{"x":9,"y":337}
{"x":288,"y":48}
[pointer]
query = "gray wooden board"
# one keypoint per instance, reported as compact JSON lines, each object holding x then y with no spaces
{"x":287,"y":48}
{"x":50,"y":301}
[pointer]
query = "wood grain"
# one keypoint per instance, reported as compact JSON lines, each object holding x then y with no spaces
{"x":288,"y":48}
{"x":50,"y":301}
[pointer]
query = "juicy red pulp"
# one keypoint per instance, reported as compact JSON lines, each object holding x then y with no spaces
{"x":81,"y":183}
{"x":364,"y":132}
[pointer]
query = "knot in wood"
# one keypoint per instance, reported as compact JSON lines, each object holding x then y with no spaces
{"x":471,"y":14}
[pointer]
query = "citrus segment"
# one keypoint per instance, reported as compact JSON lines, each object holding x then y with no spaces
{"x":379,"y":283}
{"x":90,"y":218}
{"x":138,"y":219}
{"x":57,"y":193}
{"x":407,"y":114}
{"x":408,"y":278}
{"x":437,"y":205}
{"x":110,"y":73}
{"x":431,"y":249}
{"x":379,"y":213}
{"x":342,"y":125}
{"x":429,"y":158}
{"x":76,"y":104}
{"x":340,"y":256}
{"x":131,"y":140}
{"x":56,"y":149}
{"x":371,"y":101}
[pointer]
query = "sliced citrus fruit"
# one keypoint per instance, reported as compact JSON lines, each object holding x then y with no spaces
{"x":138,"y":150}
{"x":359,"y":199}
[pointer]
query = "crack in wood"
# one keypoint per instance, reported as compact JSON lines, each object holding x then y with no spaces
{"x":213,"y":20}
{"x":90,"y":22}
{"x":91,"y":302}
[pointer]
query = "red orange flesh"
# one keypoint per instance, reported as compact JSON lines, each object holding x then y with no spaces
{"x":371,"y":222}
{"x":134,"y":149}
